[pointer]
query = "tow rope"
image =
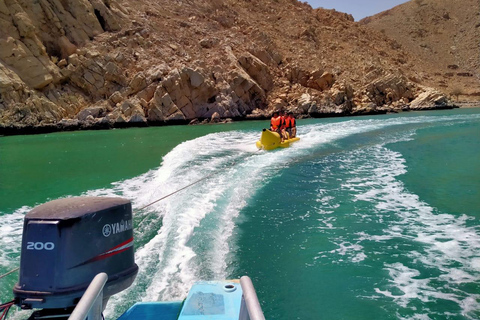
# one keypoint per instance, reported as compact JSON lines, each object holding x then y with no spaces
{"x":183,"y":188}
{"x":187,"y":186}
{"x":5,"y":307}
{"x":6,"y":274}
{"x":146,"y":206}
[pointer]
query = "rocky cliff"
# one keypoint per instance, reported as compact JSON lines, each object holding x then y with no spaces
{"x":444,"y":35}
{"x":70,"y":64}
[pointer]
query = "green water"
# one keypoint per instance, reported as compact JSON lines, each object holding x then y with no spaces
{"x":446,"y":174}
{"x":363,"y":218}
{"x":40,"y":167}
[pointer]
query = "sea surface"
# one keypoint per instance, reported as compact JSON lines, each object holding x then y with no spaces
{"x":363,"y":218}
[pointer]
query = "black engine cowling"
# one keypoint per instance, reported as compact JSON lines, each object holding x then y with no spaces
{"x":67,"y":242}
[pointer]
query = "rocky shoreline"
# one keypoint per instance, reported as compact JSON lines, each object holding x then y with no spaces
{"x":468,"y":104}
{"x":77,"y":125}
{"x":122,"y":63}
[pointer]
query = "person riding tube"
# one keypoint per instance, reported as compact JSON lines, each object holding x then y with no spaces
{"x":275,"y":122}
{"x":291,"y":125}
{"x":283,"y":133}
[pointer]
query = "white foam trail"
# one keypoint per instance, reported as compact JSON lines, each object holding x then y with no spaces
{"x":448,"y":244}
{"x":204,"y":215}
{"x":172,"y":263}
{"x":11,"y":227}
{"x":347,"y":247}
{"x":177,"y":263}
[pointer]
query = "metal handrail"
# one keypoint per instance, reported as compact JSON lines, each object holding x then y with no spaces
{"x":90,"y":305}
{"x":250,"y":301}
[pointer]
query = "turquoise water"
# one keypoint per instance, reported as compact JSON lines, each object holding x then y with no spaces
{"x":363,"y":218}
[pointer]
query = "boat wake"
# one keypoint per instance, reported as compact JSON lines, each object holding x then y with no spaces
{"x":429,"y":256}
{"x":190,"y":235}
{"x":440,"y":251}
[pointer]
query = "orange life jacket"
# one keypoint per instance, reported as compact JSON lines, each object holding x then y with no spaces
{"x":290,"y":122}
{"x":287,"y":123}
{"x":275,"y":123}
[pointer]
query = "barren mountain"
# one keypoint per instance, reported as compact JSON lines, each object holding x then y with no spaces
{"x":444,"y":35}
{"x":72,"y":64}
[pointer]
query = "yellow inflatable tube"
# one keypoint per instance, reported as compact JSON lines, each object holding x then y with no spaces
{"x":270,"y":140}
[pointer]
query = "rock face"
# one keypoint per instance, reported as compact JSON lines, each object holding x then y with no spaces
{"x":444,"y":34}
{"x":430,"y":99}
{"x":34,"y":38}
{"x":75,"y":64}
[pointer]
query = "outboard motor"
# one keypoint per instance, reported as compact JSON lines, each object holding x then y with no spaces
{"x":66,"y":243}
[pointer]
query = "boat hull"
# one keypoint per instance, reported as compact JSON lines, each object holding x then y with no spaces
{"x":270,"y":140}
